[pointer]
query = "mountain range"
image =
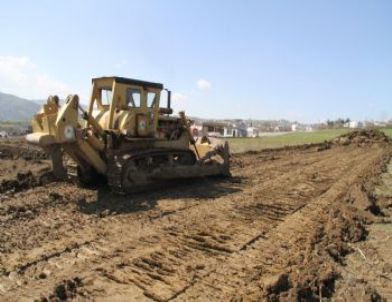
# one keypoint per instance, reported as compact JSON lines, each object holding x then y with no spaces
{"x":14,"y":108}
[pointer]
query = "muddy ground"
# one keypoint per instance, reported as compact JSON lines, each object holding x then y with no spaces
{"x":307,"y":223}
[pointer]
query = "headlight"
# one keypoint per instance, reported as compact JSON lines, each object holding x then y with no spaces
{"x":69,"y":133}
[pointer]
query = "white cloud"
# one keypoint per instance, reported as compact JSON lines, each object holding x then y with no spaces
{"x":203,"y":84}
{"x":179,"y":97}
{"x":20,"y":76}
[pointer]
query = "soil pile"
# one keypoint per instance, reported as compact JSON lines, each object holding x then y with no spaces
{"x":362,"y":137}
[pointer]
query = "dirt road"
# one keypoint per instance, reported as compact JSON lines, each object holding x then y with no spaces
{"x":279,"y":229}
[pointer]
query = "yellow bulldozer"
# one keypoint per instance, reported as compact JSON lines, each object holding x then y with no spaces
{"x":125,"y":137}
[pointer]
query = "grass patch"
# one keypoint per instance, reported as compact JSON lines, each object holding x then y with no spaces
{"x":388,"y":132}
{"x":242,"y":144}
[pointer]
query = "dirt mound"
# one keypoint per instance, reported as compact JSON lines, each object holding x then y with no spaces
{"x":332,"y":239}
{"x":311,"y":274}
{"x":362,"y":137}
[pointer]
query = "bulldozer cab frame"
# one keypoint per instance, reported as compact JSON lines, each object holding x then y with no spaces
{"x":129,"y":105}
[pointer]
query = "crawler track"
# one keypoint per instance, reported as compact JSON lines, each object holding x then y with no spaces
{"x":139,"y":165}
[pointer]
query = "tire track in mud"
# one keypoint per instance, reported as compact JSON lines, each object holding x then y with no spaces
{"x":252,"y":240}
{"x":74,"y":248}
{"x":45,"y":203}
{"x":151,"y":291}
{"x":152,"y":261}
{"x":182,"y":249}
{"x":250,"y":273}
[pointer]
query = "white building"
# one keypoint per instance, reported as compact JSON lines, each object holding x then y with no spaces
{"x":302,"y":128}
{"x":3,"y":134}
{"x":294,"y":127}
{"x":252,"y":132}
{"x":353,"y":125}
{"x":308,"y":128}
{"x":221,"y":129}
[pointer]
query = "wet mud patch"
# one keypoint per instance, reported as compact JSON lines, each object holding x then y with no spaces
{"x":65,"y":291}
{"x":22,"y":151}
{"x":25,"y":181}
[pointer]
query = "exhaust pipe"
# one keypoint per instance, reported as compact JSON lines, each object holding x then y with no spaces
{"x":168,"y":99}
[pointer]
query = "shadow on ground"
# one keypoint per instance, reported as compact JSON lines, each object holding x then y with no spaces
{"x":206,"y":188}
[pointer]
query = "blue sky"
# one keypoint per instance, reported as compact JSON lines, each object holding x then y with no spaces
{"x":300,"y":60}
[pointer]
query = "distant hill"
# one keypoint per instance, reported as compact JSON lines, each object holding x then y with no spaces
{"x":13,"y":108}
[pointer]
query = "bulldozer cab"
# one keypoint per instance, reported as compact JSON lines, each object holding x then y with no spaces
{"x":126,"y":106}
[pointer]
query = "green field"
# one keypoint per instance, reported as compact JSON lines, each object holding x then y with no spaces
{"x":242,"y":144}
{"x":388,"y":132}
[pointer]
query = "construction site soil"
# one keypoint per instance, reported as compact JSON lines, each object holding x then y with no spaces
{"x":292,"y":224}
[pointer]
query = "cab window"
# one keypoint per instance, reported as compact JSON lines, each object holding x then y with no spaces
{"x":133,"y":97}
{"x":151,"y":99}
{"x":106,"y":96}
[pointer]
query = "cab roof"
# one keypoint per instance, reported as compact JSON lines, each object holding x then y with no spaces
{"x":131,"y":82}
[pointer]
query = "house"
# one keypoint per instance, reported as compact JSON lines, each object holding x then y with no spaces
{"x":353,"y":124}
{"x":301,"y":127}
{"x":380,"y":124}
{"x":252,"y":132}
{"x":223,"y":129}
{"x":3,"y":134}
{"x":308,"y":128}
{"x":239,"y":129}
{"x":215,"y":129}
{"x":294,"y":127}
